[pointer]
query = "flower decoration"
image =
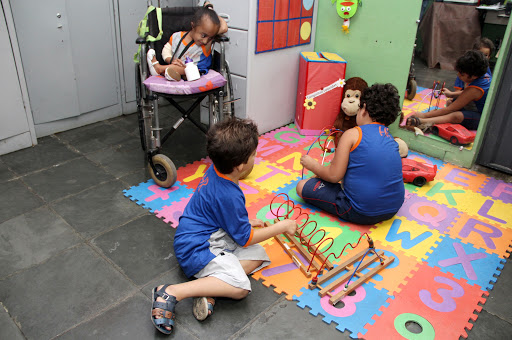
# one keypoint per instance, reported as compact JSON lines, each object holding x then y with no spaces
{"x":309,"y":104}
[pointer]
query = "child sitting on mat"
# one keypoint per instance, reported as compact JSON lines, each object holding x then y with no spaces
{"x":472,"y":69}
{"x":195,"y":44}
{"x":366,"y":160}
{"x":215,"y":241}
{"x":484,"y":45}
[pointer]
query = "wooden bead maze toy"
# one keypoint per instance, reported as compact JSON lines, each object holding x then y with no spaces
{"x":313,"y":245}
{"x":348,"y":265}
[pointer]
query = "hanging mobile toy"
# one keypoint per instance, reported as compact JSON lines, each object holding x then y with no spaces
{"x":346,"y":10}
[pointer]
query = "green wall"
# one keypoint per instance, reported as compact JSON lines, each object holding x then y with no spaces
{"x":380,"y":43}
{"x":379,"y":48}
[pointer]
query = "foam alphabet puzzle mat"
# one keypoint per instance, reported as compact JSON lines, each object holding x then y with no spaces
{"x":449,"y":242}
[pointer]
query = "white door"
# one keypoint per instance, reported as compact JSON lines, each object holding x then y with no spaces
{"x":15,"y":125}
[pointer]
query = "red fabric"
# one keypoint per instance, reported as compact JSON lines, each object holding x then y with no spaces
{"x":315,"y":76}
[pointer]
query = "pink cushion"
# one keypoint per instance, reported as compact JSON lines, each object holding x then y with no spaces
{"x":207,"y":82}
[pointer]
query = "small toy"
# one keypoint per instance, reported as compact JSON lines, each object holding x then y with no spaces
{"x":328,"y":145}
{"x":418,"y":173}
{"x":455,"y":133}
{"x":191,"y":70}
{"x":346,"y":10}
{"x":403,"y":149}
{"x":437,"y":92}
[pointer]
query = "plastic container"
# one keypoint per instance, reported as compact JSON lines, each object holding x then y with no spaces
{"x":191,"y":70}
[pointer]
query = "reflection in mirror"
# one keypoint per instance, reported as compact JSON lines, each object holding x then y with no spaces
{"x":451,"y":70}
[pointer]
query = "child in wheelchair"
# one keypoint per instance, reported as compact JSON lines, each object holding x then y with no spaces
{"x":195,"y":44}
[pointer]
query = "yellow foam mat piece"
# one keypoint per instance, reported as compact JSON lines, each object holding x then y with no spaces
{"x":468,"y":202}
{"x":406,"y":236}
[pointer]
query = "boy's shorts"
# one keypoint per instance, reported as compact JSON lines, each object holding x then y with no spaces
{"x":331,"y":197}
{"x":226,"y":266}
{"x":471,"y":119}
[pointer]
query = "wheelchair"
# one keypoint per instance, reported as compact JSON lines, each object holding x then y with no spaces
{"x":220,"y":99}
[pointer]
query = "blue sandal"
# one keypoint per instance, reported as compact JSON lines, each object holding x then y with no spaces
{"x":165,"y":310}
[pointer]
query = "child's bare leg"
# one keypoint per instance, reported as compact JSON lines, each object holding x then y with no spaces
{"x":300,"y":185}
{"x":454,"y":117}
{"x":206,"y":286}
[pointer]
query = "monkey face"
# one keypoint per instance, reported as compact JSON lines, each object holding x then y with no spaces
{"x":350,"y":103}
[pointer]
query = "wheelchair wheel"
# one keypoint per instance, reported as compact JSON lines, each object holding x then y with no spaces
{"x":167,"y":174}
{"x":229,"y":97}
{"x":412,"y":87}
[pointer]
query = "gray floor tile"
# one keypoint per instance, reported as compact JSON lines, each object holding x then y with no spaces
{"x":136,"y":178}
{"x":425,"y":76}
{"x":8,"y":329}
{"x":16,"y":199}
{"x":174,"y":276}
{"x":128,"y":320}
{"x":142,"y":248}
{"x":498,"y":302}
{"x":98,"y":209}
{"x":66,"y":179}
{"x":32,"y":238}
{"x":186,"y":145}
{"x":230,"y":316}
{"x":128,"y":123}
{"x":5,"y":173}
{"x":120,"y":160}
{"x":489,"y":326}
{"x":287,"y":321}
{"x":62,"y":292}
{"x":48,"y":151}
{"x":94,"y":137}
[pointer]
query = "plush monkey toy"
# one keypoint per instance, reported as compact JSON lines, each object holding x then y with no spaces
{"x":346,"y":119}
{"x":352,"y":90}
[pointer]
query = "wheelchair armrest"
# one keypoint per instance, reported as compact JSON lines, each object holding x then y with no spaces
{"x":142,"y":40}
{"x":221,"y":38}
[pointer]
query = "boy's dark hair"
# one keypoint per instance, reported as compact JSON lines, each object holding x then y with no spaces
{"x":208,"y":12}
{"x":231,"y":143}
{"x":472,"y":63}
{"x":382,"y":103}
{"x":484,"y":42}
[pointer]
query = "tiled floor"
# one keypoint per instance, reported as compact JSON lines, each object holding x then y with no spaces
{"x":78,"y":259}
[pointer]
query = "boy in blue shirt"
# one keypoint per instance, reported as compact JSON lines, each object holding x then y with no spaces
{"x":472,"y":69}
{"x":368,"y":162}
{"x":484,"y":45}
{"x":215,"y":241}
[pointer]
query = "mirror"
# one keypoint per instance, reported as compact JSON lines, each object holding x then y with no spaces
{"x":447,"y":30}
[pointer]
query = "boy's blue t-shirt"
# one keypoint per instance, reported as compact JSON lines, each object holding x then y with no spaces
{"x":483,"y":83}
{"x":217,"y":203}
{"x":374,"y":182}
